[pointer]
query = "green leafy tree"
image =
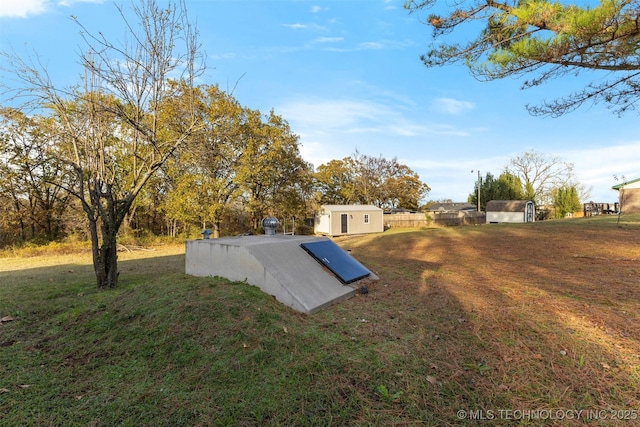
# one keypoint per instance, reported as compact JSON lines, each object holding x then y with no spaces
{"x":486,"y":191}
{"x":335,"y":181}
{"x":542,"y":40}
{"x":403,"y":188}
{"x":506,"y":187}
{"x":28,"y":178}
{"x":202,"y":181}
{"x":566,"y":201}
{"x":271,"y":173}
{"x":114,"y":135}
{"x":364,"y":179}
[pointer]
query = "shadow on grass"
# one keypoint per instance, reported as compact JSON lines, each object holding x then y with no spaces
{"x":540,"y":316}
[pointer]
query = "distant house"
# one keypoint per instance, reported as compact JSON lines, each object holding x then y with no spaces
{"x":338,"y":220}
{"x":629,"y":196}
{"x":516,"y":211}
{"x":448,"y":207}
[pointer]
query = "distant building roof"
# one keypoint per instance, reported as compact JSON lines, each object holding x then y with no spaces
{"x":507,"y":205}
{"x":352,"y":208}
{"x":398,"y":210}
{"x":624,"y":184}
{"x":451,"y":207}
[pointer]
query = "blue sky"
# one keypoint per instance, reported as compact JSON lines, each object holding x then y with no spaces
{"x":346,"y":75}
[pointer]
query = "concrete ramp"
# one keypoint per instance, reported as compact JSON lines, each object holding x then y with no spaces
{"x":276,"y":264}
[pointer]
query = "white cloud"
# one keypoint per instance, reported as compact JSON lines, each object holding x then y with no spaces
{"x":335,"y":128}
{"x":452,"y":106}
{"x":371,"y":45}
{"x":342,"y":113}
{"x":390,"y":5}
{"x":596,"y":167}
{"x":22,"y":8}
{"x":69,"y":3}
{"x":362,"y":116}
{"x":328,"y":39}
{"x":224,"y":56}
{"x":311,"y":27}
{"x":25,"y":8}
{"x":295,"y":26}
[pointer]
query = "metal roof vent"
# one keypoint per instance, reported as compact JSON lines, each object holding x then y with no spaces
{"x":270,"y":224}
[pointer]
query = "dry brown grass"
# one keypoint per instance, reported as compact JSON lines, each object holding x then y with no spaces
{"x":538,"y":316}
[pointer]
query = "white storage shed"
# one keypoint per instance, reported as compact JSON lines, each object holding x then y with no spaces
{"x":516,"y":211}
{"x":339,"y":220}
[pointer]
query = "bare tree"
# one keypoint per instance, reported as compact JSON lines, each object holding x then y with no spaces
{"x":117,"y":128}
{"x":621,"y":198}
{"x":540,"y":174}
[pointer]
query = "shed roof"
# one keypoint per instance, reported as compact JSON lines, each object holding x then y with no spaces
{"x":624,"y":184}
{"x":351,"y":208}
{"x":507,"y":205}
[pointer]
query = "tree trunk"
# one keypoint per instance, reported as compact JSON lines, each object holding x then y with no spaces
{"x":127,"y":223}
{"x":103,"y":241}
{"x":105,"y":255}
{"x":23,"y":233}
{"x":216,"y":229}
{"x":108,"y":259}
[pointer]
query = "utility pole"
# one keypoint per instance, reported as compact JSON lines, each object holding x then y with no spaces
{"x":479,"y":181}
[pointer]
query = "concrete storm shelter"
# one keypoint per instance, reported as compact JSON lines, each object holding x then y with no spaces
{"x":284,"y":266}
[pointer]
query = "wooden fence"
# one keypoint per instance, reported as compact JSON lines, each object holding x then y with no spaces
{"x":433,"y":219}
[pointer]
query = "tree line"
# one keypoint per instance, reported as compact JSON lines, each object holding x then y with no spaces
{"x":132,"y":139}
{"x":237,"y":167}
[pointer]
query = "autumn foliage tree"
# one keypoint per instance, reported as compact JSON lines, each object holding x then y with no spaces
{"x":542,"y":40}
{"x":238,"y":156}
{"x":274,"y":178}
{"x":201,"y":181}
{"x":365,"y":179}
{"x":34,"y":204}
{"x":113,"y":138}
{"x":335,"y":182}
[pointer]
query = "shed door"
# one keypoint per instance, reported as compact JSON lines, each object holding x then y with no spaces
{"x":343,"y":224}
{"x":530,"y":212}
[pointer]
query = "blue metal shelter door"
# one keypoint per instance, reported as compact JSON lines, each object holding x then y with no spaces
{"x":344,"y":220}
{"x":344,"y":266}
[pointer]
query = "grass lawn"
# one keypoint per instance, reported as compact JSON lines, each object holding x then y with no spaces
{"x":515,"y":324}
